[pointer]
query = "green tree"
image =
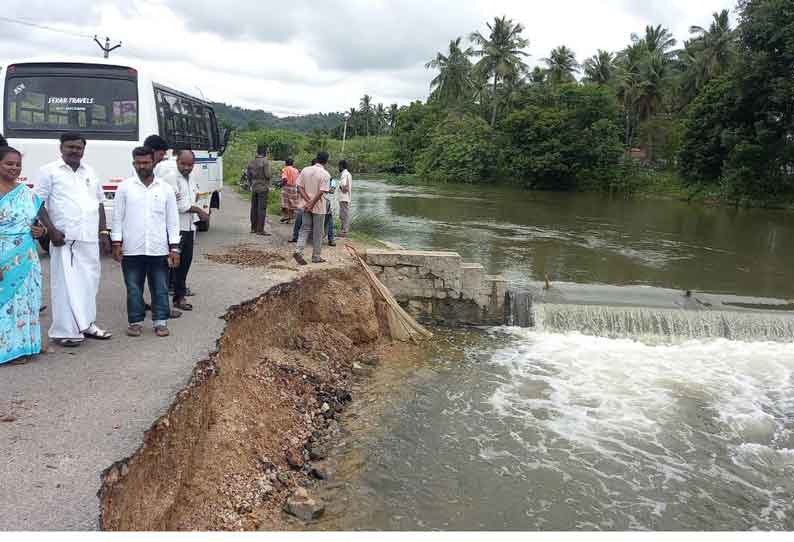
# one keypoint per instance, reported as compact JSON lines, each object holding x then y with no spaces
{"x":365,"y":108}
{"x":452,"y":86}
{"x":710,"y":53}
{"x":394,"y":109}
{"x":460,"y":150}
{"x":500,"y":54}
{"x":561,"y":66}
{"x":600,"y":68}
{"x":568,"y":142}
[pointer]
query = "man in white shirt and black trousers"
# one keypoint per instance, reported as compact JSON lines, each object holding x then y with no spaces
{"x":145,"y":237}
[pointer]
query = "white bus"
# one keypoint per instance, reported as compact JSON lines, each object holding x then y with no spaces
{"x":115,"y":107}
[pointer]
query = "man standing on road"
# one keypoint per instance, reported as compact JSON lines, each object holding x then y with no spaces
{"x":146,"y":241}
{"x":313,"y":184}
{"x":343,"y":197}
{"x":185,"y":203}
{"x":259,"y":171}
{"x":73,"y":196}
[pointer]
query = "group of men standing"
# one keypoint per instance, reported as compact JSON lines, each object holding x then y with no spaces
{"x":152,"y":236}
{"x":315,"y":190}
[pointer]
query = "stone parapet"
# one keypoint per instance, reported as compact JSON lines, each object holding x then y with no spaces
{"x":440,"y":287}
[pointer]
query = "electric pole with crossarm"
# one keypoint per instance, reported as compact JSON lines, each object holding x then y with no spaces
{"x":106,"y":48}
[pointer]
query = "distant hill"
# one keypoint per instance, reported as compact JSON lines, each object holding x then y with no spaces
{"x":243,"y":118}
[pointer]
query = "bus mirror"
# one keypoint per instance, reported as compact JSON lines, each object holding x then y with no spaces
{"x":225,"y":134}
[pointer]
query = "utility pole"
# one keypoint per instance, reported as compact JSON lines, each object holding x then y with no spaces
{"x":344,"y":136}
{"x":106,"y":48}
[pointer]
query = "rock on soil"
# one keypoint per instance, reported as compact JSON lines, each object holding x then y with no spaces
{"x":301,"y":505}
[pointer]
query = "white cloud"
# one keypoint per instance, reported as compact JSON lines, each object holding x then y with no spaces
{"x":299,"y":57}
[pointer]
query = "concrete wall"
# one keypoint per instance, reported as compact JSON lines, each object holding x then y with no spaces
{"x":439,"y":287}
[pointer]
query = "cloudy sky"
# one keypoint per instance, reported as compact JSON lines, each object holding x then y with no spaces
{"x":294,"y":57}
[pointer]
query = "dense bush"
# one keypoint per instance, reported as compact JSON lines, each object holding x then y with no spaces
{"x":459,"y":149}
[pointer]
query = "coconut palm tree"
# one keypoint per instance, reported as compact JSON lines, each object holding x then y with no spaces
{"x":715,"y":47}
{"x":659,"y":40}
{"x":453,"y":83}
{"x":600,"y":68}
{"x":500,"y":53}
{"x":561,"y":65}
{"x":380,"y":118}
{"x":365,"y":107}
{"x":394,"y":109}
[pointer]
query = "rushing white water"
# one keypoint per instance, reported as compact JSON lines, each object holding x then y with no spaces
{"x":667,"y":324}
{"x":697,"y":435}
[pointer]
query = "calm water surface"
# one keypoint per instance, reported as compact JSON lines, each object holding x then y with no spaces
{"x":593,"y":238}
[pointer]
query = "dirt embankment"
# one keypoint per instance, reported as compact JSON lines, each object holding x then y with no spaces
{"x":236,"y":442}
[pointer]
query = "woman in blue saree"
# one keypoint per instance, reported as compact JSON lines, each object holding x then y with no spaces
{"x":21,"y":216}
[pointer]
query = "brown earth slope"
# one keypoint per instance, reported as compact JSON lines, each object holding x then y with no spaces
{"x":235,"y":442}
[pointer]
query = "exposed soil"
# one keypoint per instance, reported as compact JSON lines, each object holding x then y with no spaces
{"x":235,"y":443}
{"x":248,"y":256}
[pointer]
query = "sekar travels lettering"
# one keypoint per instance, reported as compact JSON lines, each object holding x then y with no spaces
{"x":70,"y":100}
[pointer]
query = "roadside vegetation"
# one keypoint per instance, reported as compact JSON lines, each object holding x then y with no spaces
{"x":711,"y":118}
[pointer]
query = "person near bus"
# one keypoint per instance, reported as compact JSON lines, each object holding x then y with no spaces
{"x":22,"y":217}
{"x":343,"y":197}
{"x":259,"y":171}
{"x":189,"y":212}
{"x":145,"y":239}
{"x":165,"y":169}
{"x":289,"y":191}
{"x":72,"y":193}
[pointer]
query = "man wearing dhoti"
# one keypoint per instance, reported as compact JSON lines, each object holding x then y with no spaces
{"x":73,"y":196}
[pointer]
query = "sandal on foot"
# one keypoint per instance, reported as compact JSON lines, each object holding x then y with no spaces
{"x":183,"y":305}
{"x":95,"y":332}
{"x":69,"y":343}
{"x":299,"y":258}
{"x":174,"y":314}
{"x":319,"y":260}
{"x":135,"y":330}
{"x":161,"y":331}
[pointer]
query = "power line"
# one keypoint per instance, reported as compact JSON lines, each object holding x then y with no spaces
{"x":44,"y":27}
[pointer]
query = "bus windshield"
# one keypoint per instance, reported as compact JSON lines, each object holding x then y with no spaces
{"x":40,"y":106}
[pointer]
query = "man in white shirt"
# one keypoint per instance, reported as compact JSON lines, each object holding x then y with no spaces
{"x":343,"y":197}
{"x":146,"y":241}
{"x":73,"y":195}
{"x":185,"y":189}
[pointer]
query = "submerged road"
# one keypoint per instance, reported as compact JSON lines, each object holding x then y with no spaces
{"x":78,"y":410}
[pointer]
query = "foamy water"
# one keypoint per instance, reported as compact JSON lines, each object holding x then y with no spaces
{"x":531,"y":430}
{"x":697,"y":435}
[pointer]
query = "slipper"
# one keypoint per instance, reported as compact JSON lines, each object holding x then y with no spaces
{"x":135,"y":330}
{"x":320,"y":260}
{"x":69,"y":343}
{"x":174,"y":314}
{"x":299,"y":258}
{"x":95,"y":332}
{"x":161,"y":331}
{"x":183,"y":305}
{"x":284,"y":220}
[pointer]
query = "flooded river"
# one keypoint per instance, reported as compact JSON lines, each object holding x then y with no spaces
{"x":525,"y":429}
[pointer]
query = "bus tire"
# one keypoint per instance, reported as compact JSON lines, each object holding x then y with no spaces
{"x":203,"y":225}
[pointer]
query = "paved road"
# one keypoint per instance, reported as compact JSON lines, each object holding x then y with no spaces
{"x":81,"y":409}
